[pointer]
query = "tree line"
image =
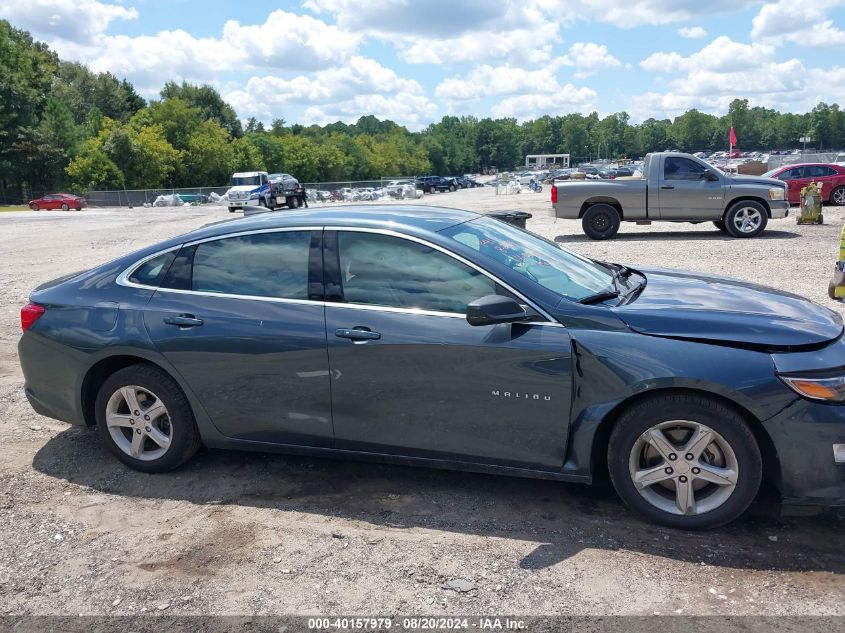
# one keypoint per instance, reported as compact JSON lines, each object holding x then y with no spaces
{"x":63,"y":126}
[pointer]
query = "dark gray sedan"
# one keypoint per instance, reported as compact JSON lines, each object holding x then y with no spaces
{"x":446,"y":338}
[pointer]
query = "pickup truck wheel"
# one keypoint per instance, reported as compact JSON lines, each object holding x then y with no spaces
{"x":232,"y":209}
{"x":294,"y":202}
{"x":746,"y":218}
{"x":684,"y":461}
{"x":600,"y":222}
{"x":452,"y":188}
{"x":719,"y":224}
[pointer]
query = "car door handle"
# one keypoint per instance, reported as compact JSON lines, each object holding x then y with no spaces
{"x":667,"y":187}
{"x":183,"y":320}
{"x":357,"y":334}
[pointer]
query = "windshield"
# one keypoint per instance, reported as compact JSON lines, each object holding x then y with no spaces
{"x":770,"y":173}
{"x":543,"y":261}
{"x":239,"y":181}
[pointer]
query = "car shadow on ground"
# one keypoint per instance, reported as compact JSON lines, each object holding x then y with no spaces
{"x":713,"y":236}
{"x":562,"y":519}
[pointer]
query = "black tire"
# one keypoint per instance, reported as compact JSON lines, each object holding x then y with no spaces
{"x":232,"y":209}
{"x":34,"y":207}
{"x":65,"y":207}
{"x":452,"y":188}
{"x":261,"y":203}
{"x":701,"y":409}
{"x":295,"y":203}
{"x":79,"y":208}
{"x":431,"y":190}
{"x":739,"y":207}
{"x":837,"y":196}
{"x":600,"y":222}
{"x":821,"y":219}
{"x":185,"y":437}
{"x":719,"y":224}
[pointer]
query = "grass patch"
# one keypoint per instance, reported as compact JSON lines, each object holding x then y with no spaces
{"x":20,"y":207}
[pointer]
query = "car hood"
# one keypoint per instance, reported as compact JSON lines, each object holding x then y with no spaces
{"x":757,"y":180}
{"x":694,"y":306}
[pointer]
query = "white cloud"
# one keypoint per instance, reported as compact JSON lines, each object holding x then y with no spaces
{"x":590,"y":58}
{"x":452,"y":31}
{"x":283,"y":42}
{"x":485,"y":81}
{"x":411,"y":110}
{"x":805,"y":24}
{"x":721,"y":55}
{"x":725,"y":70}
{"x":332,"y":93}
{"x":692,"y":32}
{"x":564,"y":100}
{"x":81,"y":21}
{"x":635,"y":13}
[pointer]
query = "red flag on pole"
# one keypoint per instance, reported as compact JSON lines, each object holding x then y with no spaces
{"x":733,"y":136}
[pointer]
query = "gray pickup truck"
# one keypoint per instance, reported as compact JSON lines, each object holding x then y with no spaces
{"x":674,"y":187}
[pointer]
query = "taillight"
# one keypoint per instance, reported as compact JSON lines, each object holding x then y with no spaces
{"x":30,"y":313}
{"x":554,"y":193}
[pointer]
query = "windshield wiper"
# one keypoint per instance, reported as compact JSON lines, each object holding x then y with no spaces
{"x":598,"y":297}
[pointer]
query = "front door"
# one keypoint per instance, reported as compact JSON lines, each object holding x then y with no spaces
{"x":239,"y":320}
{"x":411,"y":377}
{"x":685,"y":192}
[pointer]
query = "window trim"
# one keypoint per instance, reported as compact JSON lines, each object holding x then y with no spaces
{"x":550,"y":320}
{"x":123,"y":278}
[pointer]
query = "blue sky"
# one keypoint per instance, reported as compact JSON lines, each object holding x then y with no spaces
{"x":318,"y":61}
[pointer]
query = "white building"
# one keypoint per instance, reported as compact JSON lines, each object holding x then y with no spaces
{"x":540,"y":161}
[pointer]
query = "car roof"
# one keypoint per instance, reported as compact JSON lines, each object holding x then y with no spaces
{"x":405,"y":218}
{"x":810,"y":165}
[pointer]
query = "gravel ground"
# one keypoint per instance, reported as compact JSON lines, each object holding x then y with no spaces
{"x":234,"y":533}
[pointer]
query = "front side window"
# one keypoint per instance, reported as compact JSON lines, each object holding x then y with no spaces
{"x":389,"y":271}
{"x":259,"y":265}
{"x":676,"y":168}
{"x":542,"y":261}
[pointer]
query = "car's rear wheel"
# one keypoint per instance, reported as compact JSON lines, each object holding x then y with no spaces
{"x":719,"y":224}
{"x":145,"y":419}
{"x":684,"y":461}
{"x":746,"y":218}
{"x":600,"y":222}
{"x":837,"y":196}
{"x":34,"y":206}
{"x":79,"y":208}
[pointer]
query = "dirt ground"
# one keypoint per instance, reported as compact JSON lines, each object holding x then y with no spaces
{"x":244,"y":533}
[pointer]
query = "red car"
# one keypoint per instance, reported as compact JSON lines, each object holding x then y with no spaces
{"x":62,"y":201}
{"x":831,"y":177}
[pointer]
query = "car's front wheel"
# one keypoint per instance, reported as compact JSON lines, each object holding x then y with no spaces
{"x":746,"y":218}
{"x":684,"y":461}
{"x":145,"y":419}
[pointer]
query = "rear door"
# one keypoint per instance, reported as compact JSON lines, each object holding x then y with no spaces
{"x":411,"y":377}
{"x":241,"y":319}
{"x":685,"y":192}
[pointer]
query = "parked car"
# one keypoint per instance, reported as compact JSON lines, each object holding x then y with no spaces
{"x":62,"y":201}
{"x":675,"y":187}
{"x":831,"y":177}
{"x":430,"y":184}
{"x":465,"y":182}
{"x":455,"y":340}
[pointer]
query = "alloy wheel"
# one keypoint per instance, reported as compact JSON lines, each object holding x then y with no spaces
{"x":683,"y":467}
{"x":139,"y":423}
{"x":838,"y":197}
{"x":747,"y":219}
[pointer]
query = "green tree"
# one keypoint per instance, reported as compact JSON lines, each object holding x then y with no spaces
{"x":208,"y":101}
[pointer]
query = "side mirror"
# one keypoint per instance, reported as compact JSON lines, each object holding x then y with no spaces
{"x":494,"y":309}
{"x":709,"y":175}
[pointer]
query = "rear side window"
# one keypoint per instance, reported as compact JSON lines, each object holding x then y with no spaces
{"x":818,"y":171}
{"x":152,"y":271}
{"x":259,"y":265}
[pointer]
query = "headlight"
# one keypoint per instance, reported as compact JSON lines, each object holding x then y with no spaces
{"x":826,"y":389}
{"x":777,"y":193}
